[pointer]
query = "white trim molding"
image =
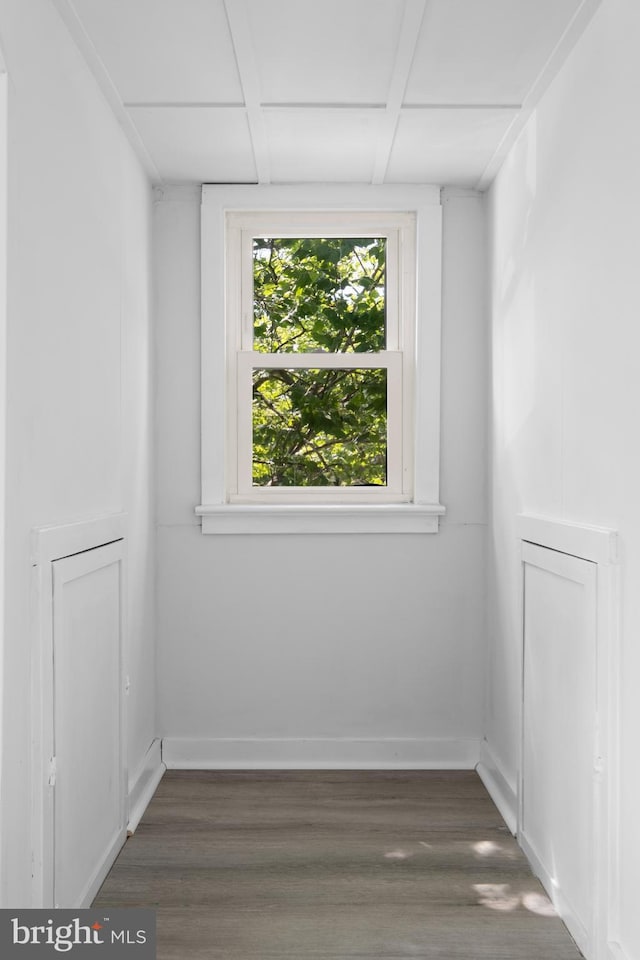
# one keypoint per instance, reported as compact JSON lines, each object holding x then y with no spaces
{"x":299,"y":753}
{"x":101,"y":872}
{"x":144,"y":784}
{"x":598,"y":544}
{"x":57,"y":541}
{"x":320,"y":518}
{"x":501,"y":791}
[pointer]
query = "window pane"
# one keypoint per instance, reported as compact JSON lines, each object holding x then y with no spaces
{"x":319,"y":428}
{"x":315,"y":294}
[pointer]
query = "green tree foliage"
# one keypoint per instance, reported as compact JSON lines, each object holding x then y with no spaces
{"x":319,"y":427}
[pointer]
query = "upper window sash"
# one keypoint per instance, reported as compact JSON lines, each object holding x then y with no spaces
{"x":398,"y":230}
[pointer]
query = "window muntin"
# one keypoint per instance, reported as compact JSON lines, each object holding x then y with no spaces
{"x":323,"y":320}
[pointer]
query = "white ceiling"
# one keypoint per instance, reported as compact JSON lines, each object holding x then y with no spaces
{"x":366,"y":91}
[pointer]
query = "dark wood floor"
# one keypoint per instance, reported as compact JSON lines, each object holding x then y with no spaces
{"x":333,"y":865}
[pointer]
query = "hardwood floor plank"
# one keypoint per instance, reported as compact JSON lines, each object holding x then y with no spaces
{"x":333,"y":865}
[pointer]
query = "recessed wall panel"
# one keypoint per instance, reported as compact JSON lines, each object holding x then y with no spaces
{"x":88,"y":774}
{"x":558,"y":729}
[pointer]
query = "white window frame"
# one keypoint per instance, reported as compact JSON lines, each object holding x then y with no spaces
{"x":397,"y":358}
{"x":410,"y":218}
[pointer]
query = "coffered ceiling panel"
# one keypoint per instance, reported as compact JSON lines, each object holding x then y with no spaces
{"x":157,"y":51}
{"x":329,"y":52}
{"x":484,"y":51}
{"x":322,"y":145}
{"x":197,"y":144}
{"x":446,"y":146}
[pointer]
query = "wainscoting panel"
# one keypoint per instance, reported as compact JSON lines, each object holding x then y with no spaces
{"x":89,"y":819}
{"x":78,"y":758}
{"x":568,"y":795}
{"x":559,"y":715}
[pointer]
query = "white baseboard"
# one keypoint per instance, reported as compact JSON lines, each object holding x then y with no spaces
{"x":498,"y":787}
{"x":144,"y":783}
{"x":320,"y":754}
{"x":100,"y":873}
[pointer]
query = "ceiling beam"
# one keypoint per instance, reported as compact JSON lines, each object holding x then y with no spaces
{"x":409,"y":32}
{"x":238,"y":20}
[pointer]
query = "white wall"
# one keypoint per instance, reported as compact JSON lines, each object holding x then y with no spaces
{"x":3,"y":356}
{"x":334,"y":638}
{"x":3,"y":367}
{"x":565,"y":302}
{"x":79,"y":423}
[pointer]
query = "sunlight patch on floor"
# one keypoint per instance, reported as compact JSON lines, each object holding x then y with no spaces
{"x":397,"y":855}
{"x":499,"y":896}
{"x":486,"y":848}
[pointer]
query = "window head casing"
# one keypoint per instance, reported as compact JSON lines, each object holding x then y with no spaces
{"x":323,"y":412}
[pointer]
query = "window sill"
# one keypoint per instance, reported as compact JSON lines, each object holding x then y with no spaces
{"x":320,"y":518}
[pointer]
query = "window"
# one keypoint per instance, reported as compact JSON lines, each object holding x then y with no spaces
{"x":314,"y":419}
{"x":320,"y":356}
